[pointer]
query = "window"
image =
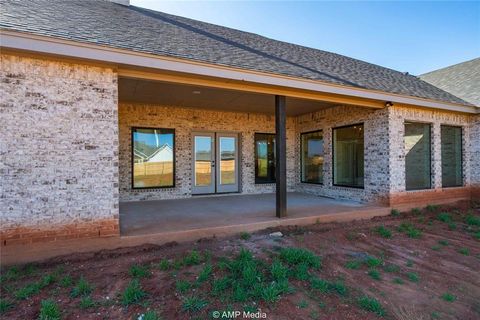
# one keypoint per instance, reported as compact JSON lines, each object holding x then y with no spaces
{"x":348,"y":155}
{"x":264,"y":157}
{"x":417,"y":156}
{"x":312,"y":157}
{"x":451,"y":156}
{"x":153,"y":158}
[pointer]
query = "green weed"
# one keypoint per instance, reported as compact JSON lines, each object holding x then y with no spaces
{"x":372,"y":305}
{"x":193,"y":304}
{"x":416,"y":211}
{"x":278,"y":270}
{"x":412,"y":276}
{"x":353,"y":264}
{"x":193,"y":258}
{"x":410,"y":230}
{"x":448,"y":297}
{"x":5,"y":305}
{"x":432,"y":207}
{"x":374,"y":274}
{"x":445,"y":217}
{"x":464,"y":251}
{"x":395,"y":212}
{"x":83,"y":288}
{"x":151,"y":315}
{"x":164,"y":265}
{"x":472,"y":220}
{"x":133,"y":293}
{"x":383,"y":232}
{"x":49,"y":310}
{"x":443,"y":242}
{"x":245,"y":235}
{"x":391,"y":268}
{"x":139,"y":271}
{"x":86,"y":303}
{"x":397,"y":280}
{"x":27,"y":291}
{"x":183,"y":286}
{"x":205,"y":273}
{"x":66,"y":281}
{"x":295,"y":256}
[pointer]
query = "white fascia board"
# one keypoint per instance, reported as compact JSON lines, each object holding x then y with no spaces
{"x":66,"y":48}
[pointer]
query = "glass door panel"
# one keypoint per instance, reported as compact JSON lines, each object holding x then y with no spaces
{"x":227,"y":158}
{"x":203,"y":163}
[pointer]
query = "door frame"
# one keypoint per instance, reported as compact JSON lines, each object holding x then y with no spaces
{"x":212,"y":190}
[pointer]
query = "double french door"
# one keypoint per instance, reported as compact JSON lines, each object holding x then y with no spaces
{"x":215,"y":162}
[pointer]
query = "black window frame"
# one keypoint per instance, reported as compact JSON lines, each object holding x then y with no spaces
{"x":256,"y":157}
{"x":333,"y":156}
{"x":132,"y":162}
{"x":301,"y":157}
{"x":461,"y":154}
{"x":430,"y":125}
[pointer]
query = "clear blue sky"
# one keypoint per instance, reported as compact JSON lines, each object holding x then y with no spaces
{"x":408,"y":36}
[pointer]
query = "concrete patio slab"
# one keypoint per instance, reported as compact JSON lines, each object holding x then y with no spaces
{"x":153,"y":217}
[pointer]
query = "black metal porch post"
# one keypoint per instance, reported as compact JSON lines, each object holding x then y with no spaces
{"x":281,"y":156}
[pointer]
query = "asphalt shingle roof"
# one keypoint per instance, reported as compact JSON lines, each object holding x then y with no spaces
{"x":143,"y":30}
{"x":462,"y":80}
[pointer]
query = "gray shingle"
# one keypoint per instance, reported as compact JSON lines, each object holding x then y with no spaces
{"x":148,"y":31}
{"x":462,"y":80}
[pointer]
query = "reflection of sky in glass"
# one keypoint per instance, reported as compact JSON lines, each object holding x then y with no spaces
{"x":154,"y":140}
{"x":315,"y":147}
{"x":203,"y":144}
{"x":262,"y":149}
{"x":227,"y":147}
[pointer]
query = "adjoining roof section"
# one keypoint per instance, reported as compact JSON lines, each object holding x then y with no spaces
{"x":462,"y":80}
{"x":141,"y":30}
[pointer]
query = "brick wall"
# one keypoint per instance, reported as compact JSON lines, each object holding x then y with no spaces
{"x":436,"y":118}
{"x":376,"y":167}
{"x":475,"y":156}
{"x":58,"y":148}
{"x":185,"y":121}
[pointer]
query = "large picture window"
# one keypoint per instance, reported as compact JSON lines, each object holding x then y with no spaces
{"x":153,"y":158}
{"x":348,"y":156}
{"x":312,"y":157}
{"x":451,"y":138}
{"x":264,"y":158}
{"x":417,"y":156}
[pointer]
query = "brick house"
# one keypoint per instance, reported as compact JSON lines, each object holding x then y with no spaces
{"x":106,"y":103}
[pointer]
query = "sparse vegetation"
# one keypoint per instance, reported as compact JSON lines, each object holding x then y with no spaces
{"x":395,"y":212}
{"x":448,"y":297}
{"x":133,"y":293}
{"x":472,"y":220}
{"x":193,"y":258}
{"x":5,"y":305}
{"x":193,"y":304}
{"x":353,"y":264}
{"x":372,"y":305}
{"x":412,"y":276}
{"x":464,"y":251}
{"x":49,"y":310}
{"x":86,"y":302}
{"x":445,"y":217}
{"x":139,"y":271}
{"x":432,"y":207}
{"x":383,"y":232}
{"x":82,"y":289}
{"x":410,"y":230}
{"x":374,"y":274}
{"x":416,"y":211}
{"x":245,"y":235}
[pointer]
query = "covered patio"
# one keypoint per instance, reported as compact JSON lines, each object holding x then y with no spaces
{"x":223,"y":214}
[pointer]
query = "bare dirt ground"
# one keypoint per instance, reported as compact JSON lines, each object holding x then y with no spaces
{"x":424,"y":264}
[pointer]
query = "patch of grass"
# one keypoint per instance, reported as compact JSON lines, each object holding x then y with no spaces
{"x":416,"y":211}
{"x":395,"y":212}
{"x":353,"y":264}
{"x":452,"y":226}
{"x":472,"y":220}
{"x":193,"y":258}
{"x":66,"y":281}
{"x":435,"y":315}
{"x":193,"y":304}
{"x":391,"y":268}
{"x":383,"y":232}
{"x":410,"y":230}
{"x":83,"y":288}
{"x":12,"y":273}
{"x":220,"y":285}
{"x":374,"y":274}
{"x":325,"y":286}
{"x":27,"y":291}
{"x":205,"y":273}
{"x":300,"y":271}
{"x":86,"y":303}
{"x":448,"y":297}
{"x":432,"y":207}
{"x":278,"y":271}
{"x":397,"y":280}
{"x":302,"y":304}
{"x":164,"y":265}
{"x":245,"y":235}
{"x":436,"y":247}
{"x":5,"y":305}
{"x":295,"y":256}
{"x":412,"y":276}
{"x":151,"y":315}
{"x":133,"y":293}
{"x":443,"y":242}
{"x":49,"y":310}
{"x":464,"y":251}
{"x":271,"y":292}
{"x":371,"y":304}
{"x":409,"y":263}
{"x":139,"y":271}
{"x":445,"y":217}
{"x":47,"y":280}
{"x":373,"y":262}
{"x":476,"y":235}
{"x":182,"y":286}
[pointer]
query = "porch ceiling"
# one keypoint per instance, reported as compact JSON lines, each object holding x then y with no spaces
{"x":157,"y":92}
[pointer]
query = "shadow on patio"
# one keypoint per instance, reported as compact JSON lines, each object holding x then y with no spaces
{"x":235,"y":212}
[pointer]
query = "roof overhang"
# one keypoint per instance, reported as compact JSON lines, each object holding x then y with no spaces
{"x":141,"y":65}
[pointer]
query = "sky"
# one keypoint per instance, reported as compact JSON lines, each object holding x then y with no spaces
{"x":408,"y":36}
